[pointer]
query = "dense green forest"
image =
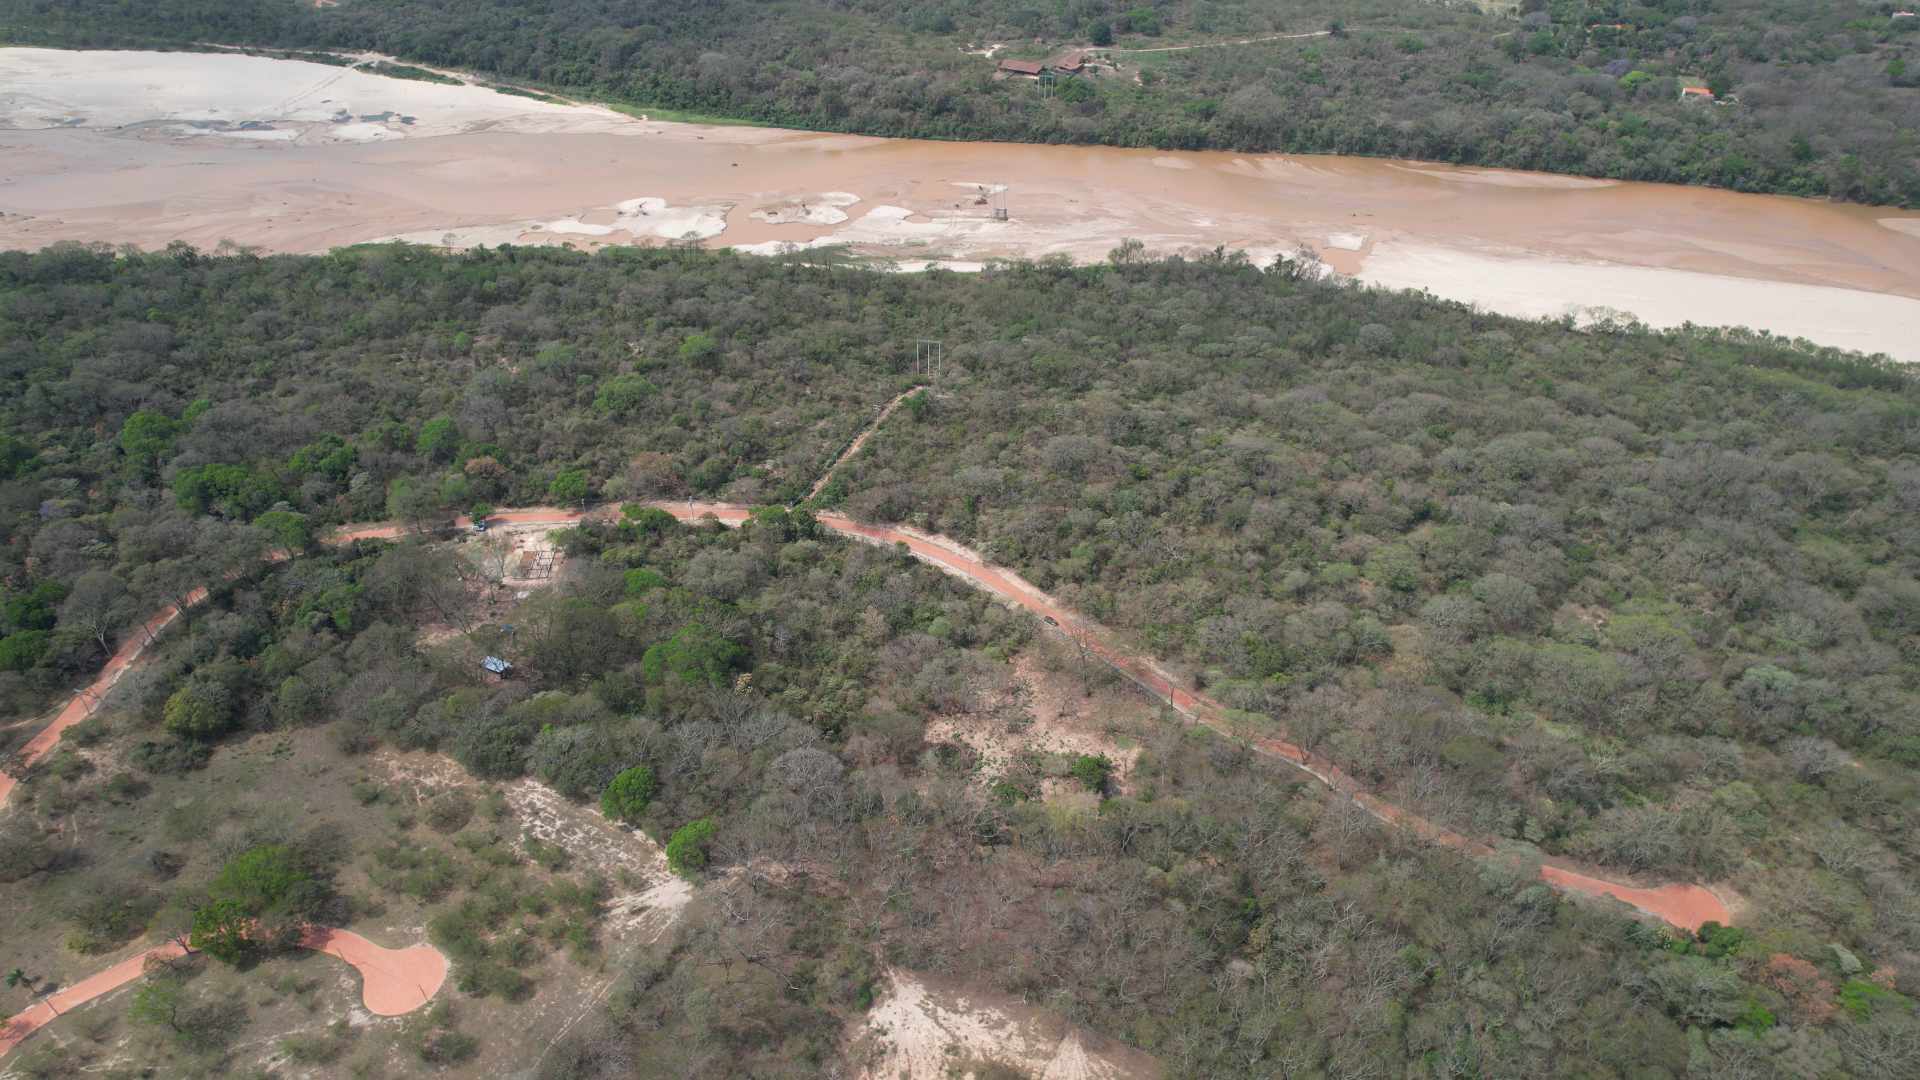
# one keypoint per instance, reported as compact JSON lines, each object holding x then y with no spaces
{"x":1645,"y":600}
{"x":1817,"y":99}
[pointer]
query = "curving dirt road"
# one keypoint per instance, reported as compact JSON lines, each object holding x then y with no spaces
{"x":394,"y":981}
{"x":1681,"y":905}
{"x":1685,"y":906}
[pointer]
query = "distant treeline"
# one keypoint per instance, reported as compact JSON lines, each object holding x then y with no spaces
{"x":1815,"y":99}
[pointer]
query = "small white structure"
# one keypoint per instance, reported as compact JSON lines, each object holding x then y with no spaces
{"x":497,"y":666}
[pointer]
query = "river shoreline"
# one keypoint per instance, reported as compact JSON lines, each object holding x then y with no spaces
{"x":288,"y":156}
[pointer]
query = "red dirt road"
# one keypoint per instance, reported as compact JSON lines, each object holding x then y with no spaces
{"x":84,"y":702}
{"x":1685,"y":906}
{"x":28,"y":1021}
{"x":394,"y":981}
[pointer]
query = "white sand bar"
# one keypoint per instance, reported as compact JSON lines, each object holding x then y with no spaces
{"x":1552,"y":288}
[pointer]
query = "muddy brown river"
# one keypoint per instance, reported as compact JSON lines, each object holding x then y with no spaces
{"x":148,"y":148}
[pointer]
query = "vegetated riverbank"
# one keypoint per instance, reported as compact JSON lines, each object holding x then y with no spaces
{"x":1641,"y":600}
{"x":288,"y":156}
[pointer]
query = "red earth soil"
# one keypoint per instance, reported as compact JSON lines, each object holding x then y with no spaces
{"x":395,"y":981}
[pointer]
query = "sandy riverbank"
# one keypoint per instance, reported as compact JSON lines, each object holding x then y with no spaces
{"x":147,"y":148}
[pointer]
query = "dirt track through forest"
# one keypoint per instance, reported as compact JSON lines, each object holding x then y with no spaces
{"x":860,"y":440}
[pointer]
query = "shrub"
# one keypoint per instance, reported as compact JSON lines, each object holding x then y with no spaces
{"x":627,"y":797}
{"x":290,"y":530}
{"x":622,"y":394}
{"x":201,"y":709}
{"x":169,"y":757}
{"x":687,"y":851}
{"x":260,"y":877}
{"x":20,"y":651}
{"x":1094,"y":771}
{"x":449,"y":812}
{"x":569,"y":486}
{"x":694,"y":654}
{"x":438,"y":437}
{"x":225,"y":930}
{"x":641,"y":581}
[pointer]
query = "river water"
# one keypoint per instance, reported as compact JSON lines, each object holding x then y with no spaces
{"x":147,"y":148}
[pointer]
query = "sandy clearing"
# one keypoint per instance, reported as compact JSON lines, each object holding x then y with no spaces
{"x":480,"y":168}
{"x":921,"y":1029}
{"x":1059,"y":719}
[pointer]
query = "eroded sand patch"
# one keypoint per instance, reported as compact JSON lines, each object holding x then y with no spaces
{"x":924,"y":1030}
{"x":1508,"y":178}
{"x":1038,"y":712}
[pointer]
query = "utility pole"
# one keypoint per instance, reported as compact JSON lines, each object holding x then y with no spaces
{"x":929,"y":357}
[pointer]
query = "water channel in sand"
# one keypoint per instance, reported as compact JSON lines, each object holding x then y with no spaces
{"x":147,"y":148}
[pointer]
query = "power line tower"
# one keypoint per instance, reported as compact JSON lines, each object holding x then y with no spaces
{"x":1049,"y":82}
{"x":929,"y":357}
{"x":999,"y":203}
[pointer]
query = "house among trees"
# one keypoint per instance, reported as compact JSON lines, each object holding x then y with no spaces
{"x":1695,"y":93}
{"x":1071,"y":62}
{"x":1027,"y":68}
